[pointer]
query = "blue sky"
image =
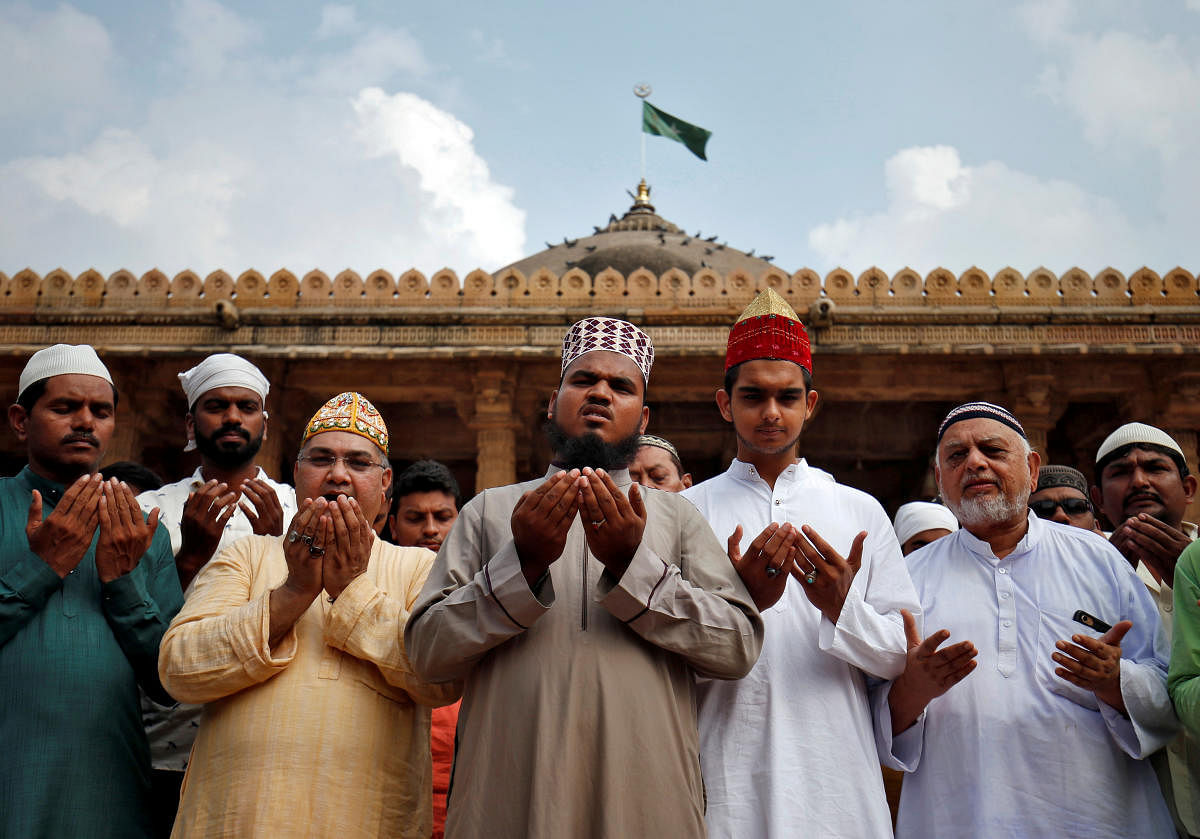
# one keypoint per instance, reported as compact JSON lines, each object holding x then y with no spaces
{"x":195,"y":134}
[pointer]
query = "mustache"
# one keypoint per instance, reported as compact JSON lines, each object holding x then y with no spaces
{"x":977,"y":477}
{"x":233,"y":429}
{"x":1142,"y":493}
{"x":90,"y":439}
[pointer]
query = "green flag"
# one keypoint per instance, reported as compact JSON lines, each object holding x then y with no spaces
{"x":663,"y":124}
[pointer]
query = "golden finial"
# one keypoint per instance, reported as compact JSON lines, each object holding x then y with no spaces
{"x":643,"y":194}
{"x":768,"y":302}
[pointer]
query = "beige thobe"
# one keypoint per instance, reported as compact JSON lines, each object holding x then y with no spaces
{"x":579,"y":709}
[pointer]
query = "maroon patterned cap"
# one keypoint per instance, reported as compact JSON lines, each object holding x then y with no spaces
{"x":619,"y":336}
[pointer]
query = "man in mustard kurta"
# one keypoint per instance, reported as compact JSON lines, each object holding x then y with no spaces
{"x":315,"y":724}
{"x":579,"y":608}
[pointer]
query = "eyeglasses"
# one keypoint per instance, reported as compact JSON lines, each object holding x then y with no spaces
{"x":1045,"y":508}
{"x":354,"y":462}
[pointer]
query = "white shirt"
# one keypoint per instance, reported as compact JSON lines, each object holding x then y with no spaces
{"x":1013,"y":749}
{"x":171,"y":498}
{"x":789,"y":749}
{"x":171,"y":730}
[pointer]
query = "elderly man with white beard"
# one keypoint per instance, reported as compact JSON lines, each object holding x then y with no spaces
{"x":1063,"y":678}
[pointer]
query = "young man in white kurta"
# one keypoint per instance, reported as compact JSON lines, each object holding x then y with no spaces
{"x":789,"y":749}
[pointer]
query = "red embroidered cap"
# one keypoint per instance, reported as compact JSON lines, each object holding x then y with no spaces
{"x":768,"y":328}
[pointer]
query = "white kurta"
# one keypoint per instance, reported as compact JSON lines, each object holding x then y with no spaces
{"x":1014,"y":750}
{"x":171,"y":729}
{"x":789,"y":749}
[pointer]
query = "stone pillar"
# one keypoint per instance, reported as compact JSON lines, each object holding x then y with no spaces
{"x":1180,"y":417}
{"x":126,"y":442}
{"x":283,"y":425}
{"x":494,"y":420}
{"x":1037,"y":401}
{"x":1187,"y":440}
{"x":271,"y":454}
{"x":1037,"y":439}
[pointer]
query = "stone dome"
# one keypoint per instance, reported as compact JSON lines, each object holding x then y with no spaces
{"x":641,"y":239}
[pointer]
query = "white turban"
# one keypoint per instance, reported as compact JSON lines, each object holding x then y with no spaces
{"x":221,"y":370}
{"x":62,"y":360}
{"x":918,"y":516}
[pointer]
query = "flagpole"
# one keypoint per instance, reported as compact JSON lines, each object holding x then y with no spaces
{"x":642,"y":91}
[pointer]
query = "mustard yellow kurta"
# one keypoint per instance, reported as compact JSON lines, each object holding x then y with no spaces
{"x":326,"y":736}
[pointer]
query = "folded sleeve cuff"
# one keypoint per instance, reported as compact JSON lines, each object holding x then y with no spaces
{"x":505,"y":583}
{"x":348,"y":608}
{"x":629,"y":597}
{"x":1151,"y":723}
{"x":31,"y":579}
{"x":896,"y":751}
{"x":125,"y":595}
{"x":250,"y":636}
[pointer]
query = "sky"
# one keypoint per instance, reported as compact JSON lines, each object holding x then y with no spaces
{"x":194,"y":134}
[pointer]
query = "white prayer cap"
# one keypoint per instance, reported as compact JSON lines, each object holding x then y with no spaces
{"x":1136,"y":432}
{"x":223,"y":370}
{"x":918,"y":516}
{"x":61,"y":360}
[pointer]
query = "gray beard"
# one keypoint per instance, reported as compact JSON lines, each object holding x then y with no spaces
{"x":973,"y":512}
{"x":990,"y":510}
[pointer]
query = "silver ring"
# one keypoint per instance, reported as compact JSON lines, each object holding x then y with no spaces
{"x":306,"y":539}
{"x":772,"y":571}
{"x":598,"y":524}
{"x":293,"y":536}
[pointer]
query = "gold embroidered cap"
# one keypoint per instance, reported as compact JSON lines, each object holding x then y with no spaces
{"x":351,"y":412}
{"x":768,"y":328}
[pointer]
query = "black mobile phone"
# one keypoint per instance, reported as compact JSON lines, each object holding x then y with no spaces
{"x":1091,"y":621}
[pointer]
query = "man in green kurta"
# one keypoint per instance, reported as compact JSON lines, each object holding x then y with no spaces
{"x":87,"y":588}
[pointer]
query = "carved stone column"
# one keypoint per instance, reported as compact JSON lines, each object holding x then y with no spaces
{"x":1037,"y":402}
{"x":126,"y":442}
{"x":493,"y":418}
{"x":1180,"y":417}
{"x":270,"y":456}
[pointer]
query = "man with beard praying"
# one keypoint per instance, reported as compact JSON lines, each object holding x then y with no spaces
{"x":226,"y":498}
{"x":579,"y":611}
{"x":1036,"y":722}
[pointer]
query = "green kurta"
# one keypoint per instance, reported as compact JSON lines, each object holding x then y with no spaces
{"x":72,"y":654}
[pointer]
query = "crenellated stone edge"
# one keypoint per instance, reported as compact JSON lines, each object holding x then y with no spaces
{"x":673,"y":290}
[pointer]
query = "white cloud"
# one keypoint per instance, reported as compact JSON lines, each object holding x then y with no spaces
{"x":55,"y":59}
{"x":943,"y":213}
{"x":375,"y":58}
{"x":182,"y":201}
{"x":924,"y":179}
{"x":337,"y":20}
{"x":256,"y":165}
{"x":113,"y":177}
{"x":439,"y":148}
{"x":1194,"y":5}
{"x":1126,"y":89}
{"x":209,"y":35}
{"x":1045,"y":20}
